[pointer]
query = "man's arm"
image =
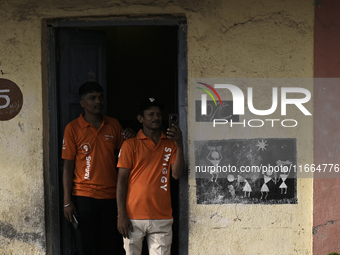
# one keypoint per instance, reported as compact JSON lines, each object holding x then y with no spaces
{"x":177,"y":167}
{"x":124,"y":223}
{"x":68,"y":173}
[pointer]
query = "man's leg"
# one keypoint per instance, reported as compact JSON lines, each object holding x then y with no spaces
{"x":108,"y":239}
{"x":85,"y":233}
{"x":159,"y":237}
{"x":133,"y":244}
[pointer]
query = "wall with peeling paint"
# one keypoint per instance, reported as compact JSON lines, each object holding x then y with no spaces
{"x":251,"y":39}
{"x":22,"y":225}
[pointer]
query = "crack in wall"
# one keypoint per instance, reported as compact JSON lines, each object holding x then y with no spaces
{"x":315,"y":229}
{"x":238,"y":24}
{"x":288,"y":21}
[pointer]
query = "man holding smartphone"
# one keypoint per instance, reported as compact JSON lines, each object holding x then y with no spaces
{"x":143,"y":192}
{"x":89,"y":175}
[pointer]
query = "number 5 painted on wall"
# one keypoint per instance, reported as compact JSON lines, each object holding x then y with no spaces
{"x":6,"y":97}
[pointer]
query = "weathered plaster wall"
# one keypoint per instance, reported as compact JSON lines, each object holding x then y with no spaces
{"x":253,"y":39}
{"x":326,"y":216}
{"x":21,"y":185}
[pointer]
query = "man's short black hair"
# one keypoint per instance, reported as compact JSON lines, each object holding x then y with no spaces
{"x":147,"y":103}
{"x":89,"y":87}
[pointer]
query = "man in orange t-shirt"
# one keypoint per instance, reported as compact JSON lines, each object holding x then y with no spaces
{"x":89,"y":174}
{"x":143,"y":189}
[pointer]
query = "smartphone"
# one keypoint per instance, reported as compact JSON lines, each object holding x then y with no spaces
{"x":75,"y":222}
{"x":173,"y":119}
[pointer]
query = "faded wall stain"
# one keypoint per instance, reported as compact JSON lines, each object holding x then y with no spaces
{"x":8,"y":231}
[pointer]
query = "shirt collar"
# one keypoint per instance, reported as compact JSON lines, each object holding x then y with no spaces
{"x":83,"y":123}
{"x":141,"y":135}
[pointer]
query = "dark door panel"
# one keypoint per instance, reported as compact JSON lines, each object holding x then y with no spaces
{"x":81,"y":58}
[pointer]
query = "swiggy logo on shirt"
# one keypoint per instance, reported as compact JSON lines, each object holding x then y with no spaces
{"x":164,"y":179}
{"x":64,"y":143}
{"x":87,"y":168}
{"x":86,"y":148}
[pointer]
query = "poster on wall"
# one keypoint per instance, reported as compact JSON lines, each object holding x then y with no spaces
{"x":249,"y":171}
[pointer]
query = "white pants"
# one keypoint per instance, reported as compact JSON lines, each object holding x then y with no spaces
{"x":158,"y":235}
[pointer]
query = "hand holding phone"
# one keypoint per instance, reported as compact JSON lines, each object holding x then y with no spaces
{"x":174,"y":132}
{"x":173,"y":119}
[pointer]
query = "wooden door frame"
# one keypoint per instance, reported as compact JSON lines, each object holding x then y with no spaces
{"x":53,"y":202}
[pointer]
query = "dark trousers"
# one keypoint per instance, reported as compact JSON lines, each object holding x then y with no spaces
{"x":97,"y":232}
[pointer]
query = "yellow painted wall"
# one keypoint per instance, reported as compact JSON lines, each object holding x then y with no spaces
{"x":267,"y":39}
{"x":251,"y":39}
{"x":240,"y":228}
{"x":22,"y":226}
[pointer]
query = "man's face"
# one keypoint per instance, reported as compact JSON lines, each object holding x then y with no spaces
{"x":93,"y":102}
{"x":152,"y":118}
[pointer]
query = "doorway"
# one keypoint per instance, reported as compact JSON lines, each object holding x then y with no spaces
{"x":141,"y":61}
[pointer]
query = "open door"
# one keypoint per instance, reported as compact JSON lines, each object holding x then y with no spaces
{"x":129,"y":58}
{"x":81,"y":58}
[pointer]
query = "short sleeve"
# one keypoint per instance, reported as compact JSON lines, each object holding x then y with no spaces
{"x":69,"y":149}
{"x":125,"y":157}
{"x":173,"y":156}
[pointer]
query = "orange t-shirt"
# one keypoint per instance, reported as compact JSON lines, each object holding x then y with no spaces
{"x":93,"y":150}
{"x":148,"y":194}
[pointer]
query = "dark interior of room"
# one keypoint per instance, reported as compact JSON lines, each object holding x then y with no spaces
{"x":141,"y":62}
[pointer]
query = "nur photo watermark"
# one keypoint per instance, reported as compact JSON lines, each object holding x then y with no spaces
{"x":274,"y":96}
